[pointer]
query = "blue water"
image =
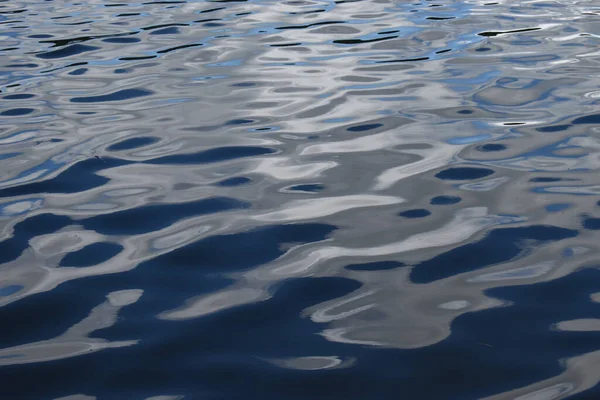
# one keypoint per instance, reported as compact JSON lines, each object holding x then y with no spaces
{"x":306,"y":199}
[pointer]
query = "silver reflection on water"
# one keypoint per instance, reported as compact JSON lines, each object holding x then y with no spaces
{"x":75,"y":341}
{"x":349,"y":115}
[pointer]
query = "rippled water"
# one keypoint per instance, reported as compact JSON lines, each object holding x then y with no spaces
{"x":299,"y":199}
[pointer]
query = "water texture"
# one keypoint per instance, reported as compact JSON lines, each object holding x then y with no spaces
{"x":311,"y":199}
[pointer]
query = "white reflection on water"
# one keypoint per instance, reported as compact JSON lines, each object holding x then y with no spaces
{"x":309,"y":102}
{"x":313,"y":363}
{"x":298,"y":210}
{"x":400,"y":327}
{"x":581,"y":373}
{"x":76,"y":341}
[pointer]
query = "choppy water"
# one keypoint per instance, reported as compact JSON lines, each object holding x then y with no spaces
{"x":299,"y":200}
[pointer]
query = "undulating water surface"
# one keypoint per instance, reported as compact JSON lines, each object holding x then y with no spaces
{"x":310,"y":199}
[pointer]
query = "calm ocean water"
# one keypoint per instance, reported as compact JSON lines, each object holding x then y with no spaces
{"x":313,"y":199}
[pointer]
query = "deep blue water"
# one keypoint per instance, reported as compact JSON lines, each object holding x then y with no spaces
{"x":366,"y":199}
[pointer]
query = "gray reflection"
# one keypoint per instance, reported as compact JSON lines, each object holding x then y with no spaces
{"x":313,"y":363}
{"x":306,"y":100}
{"x":581,"y":373}
{"x":302,"y":261}
{"x":76,"y":341}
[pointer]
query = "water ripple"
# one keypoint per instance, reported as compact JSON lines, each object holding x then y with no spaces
{"x":299,"y":199}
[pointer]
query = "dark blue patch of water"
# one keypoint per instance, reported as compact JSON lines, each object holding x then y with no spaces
{"x":463,"y":173}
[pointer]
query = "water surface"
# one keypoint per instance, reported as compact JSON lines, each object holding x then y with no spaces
{"x":299,"y":200}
